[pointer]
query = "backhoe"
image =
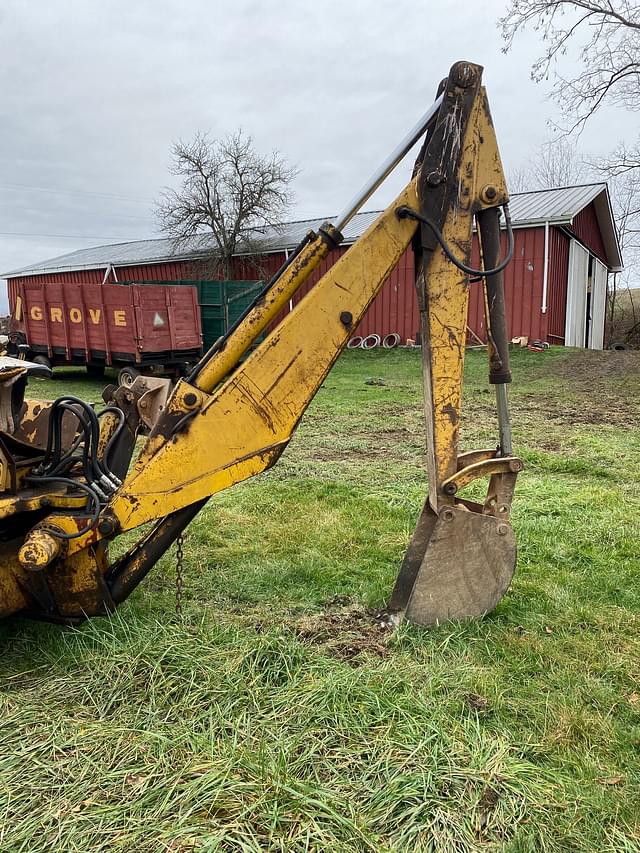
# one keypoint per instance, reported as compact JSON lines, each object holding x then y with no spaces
{"x":67,"y":483}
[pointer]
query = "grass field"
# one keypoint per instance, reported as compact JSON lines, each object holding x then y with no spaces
{"x":277,"y":715}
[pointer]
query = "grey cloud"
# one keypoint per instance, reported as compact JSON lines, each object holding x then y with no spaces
{"x":93,"y":95}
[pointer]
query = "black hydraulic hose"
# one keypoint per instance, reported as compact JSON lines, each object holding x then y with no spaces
{"x":91,"y":431}
{"x":94,"y":469}
{"x":74,"y":484}
{"x":52,"y":438}
{"x":100,"y":468}
{"x":404,"y":212}
{"x":54,"y":434}
{"x":68,"y":459}
{"x":65,"y":465}
{"x":57,"y":461}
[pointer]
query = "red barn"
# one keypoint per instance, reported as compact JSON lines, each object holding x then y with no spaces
{"x":565,"y":247}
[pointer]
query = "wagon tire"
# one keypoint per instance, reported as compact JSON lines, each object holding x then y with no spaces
{"x":41,"y":359}
{"x":95,"y":371}
{"x":128,"y":376}
{"x":371,"y":341}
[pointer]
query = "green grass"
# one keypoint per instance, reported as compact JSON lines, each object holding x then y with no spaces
{"x":277,"y":715}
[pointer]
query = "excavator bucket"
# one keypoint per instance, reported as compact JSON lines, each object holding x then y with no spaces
{"x":458,"y":566}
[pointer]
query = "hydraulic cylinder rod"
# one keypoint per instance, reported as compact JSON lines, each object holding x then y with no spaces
{"x":499,"y":370}
{"x":211,"y":372}
{"x":416,"y":132}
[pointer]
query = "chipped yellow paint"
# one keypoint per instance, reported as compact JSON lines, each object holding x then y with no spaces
{"x":242,"y":427}
{"x":257,"y":320}
{"x":12,"y":594}
{"x":31,"y":499}
{"x":236,"y":418}
{"x":446,"y":298}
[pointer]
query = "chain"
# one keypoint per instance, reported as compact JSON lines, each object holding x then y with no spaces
{"x":179,"y":573}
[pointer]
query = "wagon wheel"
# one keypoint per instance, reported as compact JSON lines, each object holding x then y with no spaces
{"x":128,"y":376}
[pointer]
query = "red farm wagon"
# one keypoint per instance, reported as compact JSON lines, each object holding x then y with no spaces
{"x":136,"y":328}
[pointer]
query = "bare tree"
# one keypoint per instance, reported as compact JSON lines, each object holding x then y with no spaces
{"x":625,"y":198}
{"x":598,"y":44}
{"x":605,"y":35}
{"x":624,"y":159}
{"x":227,"y":192}
{"x":519,"y":180}
{"x":556,"y":164}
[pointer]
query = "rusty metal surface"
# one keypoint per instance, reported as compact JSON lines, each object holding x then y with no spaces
{"x":16,"y":461}
{"x":40,"y":552}
{"x":30,"y":499}
{"x":33,"y":424}
{"x":67,"y":591}
{"x":233,"y":418}
{"x":413,"y":559}
{"x":447,"y":169}
{"x":467,"y":568}
{"x":464,"y":476}
{"x":462,"y":556}
{"x":14,"y":591}
{"x":153,"y":401}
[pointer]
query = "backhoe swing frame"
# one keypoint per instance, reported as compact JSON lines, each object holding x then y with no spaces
{"x":232,"y":419}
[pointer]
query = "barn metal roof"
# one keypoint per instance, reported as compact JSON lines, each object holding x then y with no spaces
{"x":557,"y":206}
{"x":286,"y":236}
{"x":561,"y":205}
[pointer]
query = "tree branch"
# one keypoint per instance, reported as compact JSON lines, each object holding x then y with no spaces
{"x":227,"y":192}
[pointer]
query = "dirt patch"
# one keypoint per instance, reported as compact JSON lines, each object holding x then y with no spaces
{"x":590,"y":365}
{"x":476,"y":702}
{"x":390,"y":435}
{"x":399,"y":443}
{"x":601,"y":410}
{"x":548,"y":444}
{"x":343,"y":454}
{"x":599,"y":407}
{"x":346,"y":634}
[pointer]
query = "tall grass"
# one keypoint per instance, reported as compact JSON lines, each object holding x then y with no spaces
{"x":280,"y":715}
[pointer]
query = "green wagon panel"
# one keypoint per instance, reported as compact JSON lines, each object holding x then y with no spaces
{"x":221,"y":303}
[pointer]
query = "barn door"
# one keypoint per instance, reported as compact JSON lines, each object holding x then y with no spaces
{"x":576,"y":316}
{"x":599,"y":275}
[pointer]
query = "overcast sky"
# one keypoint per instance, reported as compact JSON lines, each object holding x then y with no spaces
{"x":94,"y":93}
